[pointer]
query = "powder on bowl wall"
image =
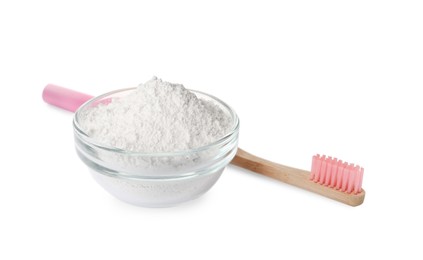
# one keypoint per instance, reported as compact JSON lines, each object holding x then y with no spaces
{"x":158,"y":116}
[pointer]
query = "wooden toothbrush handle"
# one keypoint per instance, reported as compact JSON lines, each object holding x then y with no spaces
{"x":293,"y":176}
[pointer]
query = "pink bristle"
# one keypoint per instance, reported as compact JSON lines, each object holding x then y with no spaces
{"x":337,"y":174}
{"x":360,"y":182}
{"x":345,"y":176}
{"x":328,"y":171}
{"x":313,"y":167}
{"x":333,"y":173}
{"x":318,"y":166}
{"x":322,"y":170}
{"x":351,"y":177}
{"x":356,"y":179}
{"x":340,"y":172}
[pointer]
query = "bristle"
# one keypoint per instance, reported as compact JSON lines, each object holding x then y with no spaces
{"x":339,"y":174}
{"x":322,"y":172}
{"x":336,"y":174}
{"x":351,"y":177}
{"x":328,"y":171}
{"x":345,"y":176}
{"x":318,"y":165}
{"x":333,"y":173}
{"x":313,"y":166}
{"x":357,"y":179}
{"x":360,"y":179}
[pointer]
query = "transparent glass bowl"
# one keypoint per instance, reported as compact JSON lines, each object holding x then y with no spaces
{"x":155,"y":179}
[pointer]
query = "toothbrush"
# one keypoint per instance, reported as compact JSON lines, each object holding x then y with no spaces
{"x":329,"y":177}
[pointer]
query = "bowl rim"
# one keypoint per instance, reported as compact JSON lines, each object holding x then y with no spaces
{"x":81,"y":133}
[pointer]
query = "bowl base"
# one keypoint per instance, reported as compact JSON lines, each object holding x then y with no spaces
{"x":157,"y":193}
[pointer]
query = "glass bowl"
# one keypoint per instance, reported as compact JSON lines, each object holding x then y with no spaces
{"x":155,"y":179}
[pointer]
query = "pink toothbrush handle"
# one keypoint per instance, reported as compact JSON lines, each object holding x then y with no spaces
{"x":64,"y":98}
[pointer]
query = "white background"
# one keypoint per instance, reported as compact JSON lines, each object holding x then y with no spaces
{"x":340,"y":78}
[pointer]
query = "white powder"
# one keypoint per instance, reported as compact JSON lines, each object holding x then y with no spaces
{"x":157,"y":117}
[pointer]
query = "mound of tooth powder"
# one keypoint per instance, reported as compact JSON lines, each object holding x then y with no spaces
{"x":156,"y":117}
